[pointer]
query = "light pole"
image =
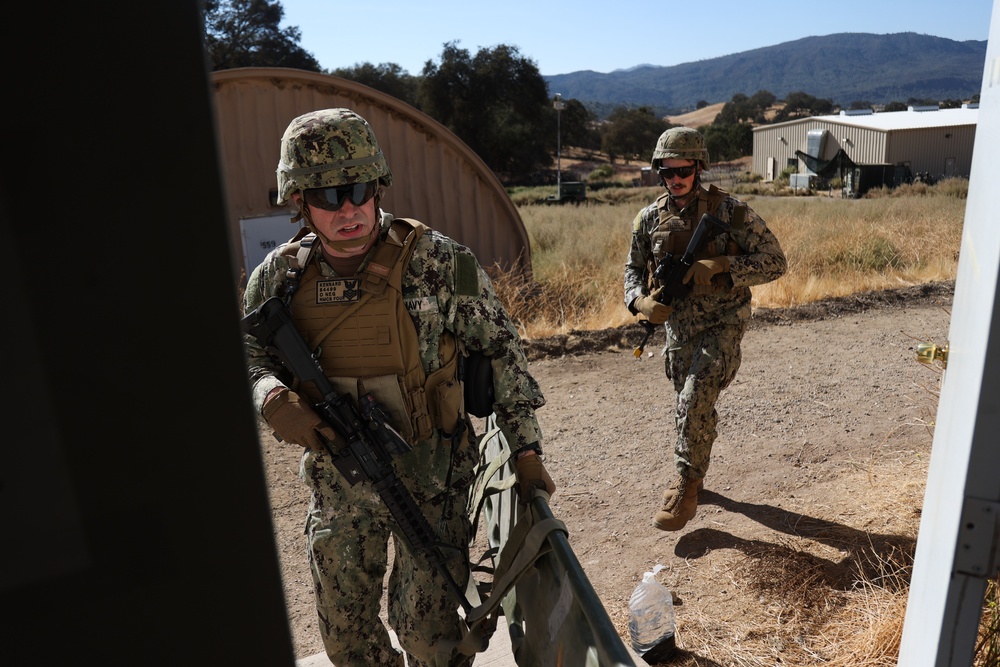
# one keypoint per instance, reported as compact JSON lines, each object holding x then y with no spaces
{"x":559,"y":106}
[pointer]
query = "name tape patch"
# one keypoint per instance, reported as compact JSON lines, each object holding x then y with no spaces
{"x":341,"y":290}
{"x":424,"y":304}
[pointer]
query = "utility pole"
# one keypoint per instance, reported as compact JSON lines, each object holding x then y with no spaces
{"x":559,"y":106}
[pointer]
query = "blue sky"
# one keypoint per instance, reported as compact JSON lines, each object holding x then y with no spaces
{"x":562,"y":37}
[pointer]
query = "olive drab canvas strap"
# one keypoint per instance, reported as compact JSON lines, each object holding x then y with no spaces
{"x":526,"y":544}
{"x":526,"y":535}
{"x":487,"y":483}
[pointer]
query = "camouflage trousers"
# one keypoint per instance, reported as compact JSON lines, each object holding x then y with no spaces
{"x":700,"y":369}
{"x":348,"y":530}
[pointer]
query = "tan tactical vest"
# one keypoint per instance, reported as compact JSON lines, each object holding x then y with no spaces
{"x":673,"y":234}
{"x":365,"y":340}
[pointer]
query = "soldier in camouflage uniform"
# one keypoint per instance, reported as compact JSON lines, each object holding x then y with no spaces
{"x":703,"y":329}
{"x":389,"y":305}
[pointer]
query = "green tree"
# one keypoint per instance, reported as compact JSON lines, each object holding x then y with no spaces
{"x":730,"y":135}
{"x":632,"y":133}
{"x":742,"y":108}
{"x":802,"y":105}
{"x":728,"y":142}
{"x":738,"y":108}
{"x":762,"y":100}
{"x":895,"y":106}
{"x":497,"y":102}
{"x":389,"y":78}
{"x":247,"y":33}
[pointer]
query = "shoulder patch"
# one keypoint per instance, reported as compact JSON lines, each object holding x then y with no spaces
{"x":637,"y":223}
{"x":739,"y":216}
{"x":466,"y":275}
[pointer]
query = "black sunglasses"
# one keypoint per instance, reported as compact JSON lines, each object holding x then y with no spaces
{"x":331,"y":199}
{"x":680,"y":172}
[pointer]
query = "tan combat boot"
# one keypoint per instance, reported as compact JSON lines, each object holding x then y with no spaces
{"x":679,"y":504}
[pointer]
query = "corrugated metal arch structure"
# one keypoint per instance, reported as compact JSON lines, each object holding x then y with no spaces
{"x":437,"y":178}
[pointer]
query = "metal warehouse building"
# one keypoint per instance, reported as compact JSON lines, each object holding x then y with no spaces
{"x":920,"y":140}
{"x":437,"y":178}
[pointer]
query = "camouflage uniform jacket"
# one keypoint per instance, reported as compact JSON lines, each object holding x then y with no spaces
{"x":759,"y":260}
{"x":444,"y":287}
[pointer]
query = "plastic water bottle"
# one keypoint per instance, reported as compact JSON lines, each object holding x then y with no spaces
{"x":651,"y":619}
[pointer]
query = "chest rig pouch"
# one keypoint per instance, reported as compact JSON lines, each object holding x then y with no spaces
{"x":365,"y":340}
{"x":673,"y":234}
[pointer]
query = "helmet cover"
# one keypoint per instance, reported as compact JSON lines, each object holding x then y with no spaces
{"x":681,"y":143}
{"x":329,"y":148}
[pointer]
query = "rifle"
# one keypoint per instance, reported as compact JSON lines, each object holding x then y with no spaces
{"x":671,"y":270}
{"x":371,"y":441}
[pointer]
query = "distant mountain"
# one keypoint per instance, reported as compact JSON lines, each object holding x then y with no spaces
{"x":843,"y":67}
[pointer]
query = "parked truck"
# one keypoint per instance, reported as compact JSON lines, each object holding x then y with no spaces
{"x":569,"y":192}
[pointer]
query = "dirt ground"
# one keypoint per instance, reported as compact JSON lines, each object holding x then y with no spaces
{"x":822,"y":454}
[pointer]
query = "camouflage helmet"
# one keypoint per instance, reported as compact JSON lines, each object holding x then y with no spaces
{"x":682,"y":143}
{"x":327,"y":148}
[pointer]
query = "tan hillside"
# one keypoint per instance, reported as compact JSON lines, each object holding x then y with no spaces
{"x":699,"y":117}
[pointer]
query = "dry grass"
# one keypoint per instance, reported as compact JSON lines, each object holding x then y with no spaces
{"x":835,"y":247}
{"x":812,"y":611}
{"x":699,"y":117}
{"x":988,"y":644}
{"x":811,"y":615}
{"x":839,"y":247}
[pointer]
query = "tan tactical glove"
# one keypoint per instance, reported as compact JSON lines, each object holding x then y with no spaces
{"x":531,"y":475}
{"x":294,"y":420}
{"x":705,"y":269}
{"x":655,"y":312}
